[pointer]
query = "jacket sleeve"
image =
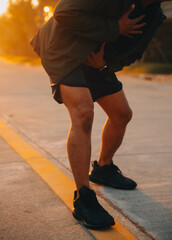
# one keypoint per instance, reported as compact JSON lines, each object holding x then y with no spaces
{"x":78,"y":16}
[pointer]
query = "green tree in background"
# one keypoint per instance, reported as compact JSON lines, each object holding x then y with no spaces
{"x":23,"y":20}
{"x":40,"y":8}
{"x":43,"y":3}
{"x":19,"y":24}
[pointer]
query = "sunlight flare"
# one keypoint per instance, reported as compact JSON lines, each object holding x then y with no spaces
{"x":35,"y":3}
{"x":46,"y":9}
{"x":48,"y":13}
{"x":3,"y":6}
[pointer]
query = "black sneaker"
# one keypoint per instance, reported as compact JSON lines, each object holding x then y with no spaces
{"x":110,"y":175}
{"x":88,"y":210}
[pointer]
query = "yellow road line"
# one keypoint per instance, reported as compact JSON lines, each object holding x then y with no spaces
{"x":56,"y":180}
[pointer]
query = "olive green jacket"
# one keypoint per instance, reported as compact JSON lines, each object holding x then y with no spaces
{"x":77,"y":28}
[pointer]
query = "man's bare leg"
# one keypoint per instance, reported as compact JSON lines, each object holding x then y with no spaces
{"x":119,"y":114}
{"x":80,"y":105}
{"x":86,"y":207}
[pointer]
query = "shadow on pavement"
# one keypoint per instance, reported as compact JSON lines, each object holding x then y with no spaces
{"x":144,"y":210}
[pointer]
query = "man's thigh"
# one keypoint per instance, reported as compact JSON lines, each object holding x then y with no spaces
{"x":76,"y":99}
{"x":115,"y":105}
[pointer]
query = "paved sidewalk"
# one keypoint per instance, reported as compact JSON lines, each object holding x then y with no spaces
{"x":62,"y":186}
{"x":29,"y":208}
{"x":27,"y":106}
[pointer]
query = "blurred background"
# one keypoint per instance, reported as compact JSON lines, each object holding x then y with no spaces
{"x":21,"y":19}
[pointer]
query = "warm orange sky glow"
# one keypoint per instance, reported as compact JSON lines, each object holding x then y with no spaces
{"x":3,"y":6}
{"x":48,"y":10}
{"x":35,"y":3}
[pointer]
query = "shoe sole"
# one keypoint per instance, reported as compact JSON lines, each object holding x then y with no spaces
{"x":108,"y":185}
{"x":87,"y":225}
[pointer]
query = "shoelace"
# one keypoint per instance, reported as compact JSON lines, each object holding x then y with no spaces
{"x":115,"y":168}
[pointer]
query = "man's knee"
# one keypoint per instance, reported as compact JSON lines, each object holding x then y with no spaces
{"x":123,"y":118}
{"x":80,"y":105}
{"x":83,"y":118}
{"x":128,"y":116}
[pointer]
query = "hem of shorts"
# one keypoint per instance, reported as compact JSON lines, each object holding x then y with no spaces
{"x":94,"y":100}
{"x":61,"y":102}
{"x":81,"y":85}
{"x":117,"y":90}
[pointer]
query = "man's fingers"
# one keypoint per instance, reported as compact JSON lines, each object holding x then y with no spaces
{"x":101,"y":52}
{"x":130,"y":10}
{"x":138,"y":26}
{"x":136,"y":32}
{"x":90,"y":57}
{"x":128,"y":35}
{"x":102,"y":49}
{"x":137,"y":20}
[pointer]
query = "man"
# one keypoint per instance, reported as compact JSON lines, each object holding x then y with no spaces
{"x":80,"y":48}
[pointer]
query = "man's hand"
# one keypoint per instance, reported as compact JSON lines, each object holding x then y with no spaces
{"x":130,"y":26}
{"x":96,"y":60}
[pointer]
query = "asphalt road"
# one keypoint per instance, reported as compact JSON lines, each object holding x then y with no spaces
{"x":145,"y":155}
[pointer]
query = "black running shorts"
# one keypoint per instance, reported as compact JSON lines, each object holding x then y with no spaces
{"x":100,"y":84}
